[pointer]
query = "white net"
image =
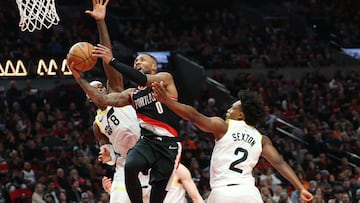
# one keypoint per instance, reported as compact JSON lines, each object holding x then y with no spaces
{"x":36,"y":14}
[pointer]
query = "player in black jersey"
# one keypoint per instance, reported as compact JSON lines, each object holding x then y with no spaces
{"x":159,"y":148}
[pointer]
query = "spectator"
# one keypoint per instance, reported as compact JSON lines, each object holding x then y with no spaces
{"x":49,"y":198}
{"x":75,"y":191}
{"x":63,"y":197}
{"x":53,"y":191}
{"x":318,"y":196}
{"x":38,"y":194}
{"x":84,"y":197}
{"x":60,"y":179}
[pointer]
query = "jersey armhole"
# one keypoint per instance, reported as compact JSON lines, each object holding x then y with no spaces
{"x":99,"y":125}
{"x":131,"y":97}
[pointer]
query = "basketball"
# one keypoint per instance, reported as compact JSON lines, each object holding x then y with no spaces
{"x":81,"y":54}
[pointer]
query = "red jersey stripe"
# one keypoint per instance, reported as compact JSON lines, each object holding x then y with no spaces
{"x":157,"y":123}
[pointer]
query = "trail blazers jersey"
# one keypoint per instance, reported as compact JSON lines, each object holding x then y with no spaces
{"x":154,"y":116}
{"x":120,"y":125}
{"x":235,"y":155}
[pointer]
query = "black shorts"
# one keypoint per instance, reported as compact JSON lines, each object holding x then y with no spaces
{"x":162,"y":154}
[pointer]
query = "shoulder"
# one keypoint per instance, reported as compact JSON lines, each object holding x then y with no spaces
{"x":165,"y":74}
{"x":166,"y":77}
{"x":265,"y":140}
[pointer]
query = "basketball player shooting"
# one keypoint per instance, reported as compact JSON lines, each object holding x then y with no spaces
{"x":159,"y":147}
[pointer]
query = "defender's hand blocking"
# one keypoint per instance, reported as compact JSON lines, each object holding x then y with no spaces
{"x":159,"y":91}
{"x":103,"y":52}
{"x":99,"y":9}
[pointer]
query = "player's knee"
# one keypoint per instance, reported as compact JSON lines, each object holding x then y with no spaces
{"x":130,"y":167}
{"x":133,"y":166}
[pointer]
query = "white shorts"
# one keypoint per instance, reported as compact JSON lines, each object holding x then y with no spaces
{"x":118,"y":192}
{"x":235,"y":194}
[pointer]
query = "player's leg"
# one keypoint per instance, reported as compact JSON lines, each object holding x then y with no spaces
{"x":118,"y":192}
{"x":135,"y":163}
{"x":158,"y":191}
{"x":168,"y":155}
{"x":146,"y":187}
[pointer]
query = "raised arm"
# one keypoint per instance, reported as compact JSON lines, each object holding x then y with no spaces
{"x":116,"y":99}
{"x":276,"y":160}
{"x":115,"y":80}
{"x":185,"y":179}
{"x":214,"y":125}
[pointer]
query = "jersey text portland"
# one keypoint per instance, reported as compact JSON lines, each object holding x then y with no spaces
{"x":152,"y":113}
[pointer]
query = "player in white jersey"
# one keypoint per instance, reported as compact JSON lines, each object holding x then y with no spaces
{"x":120,"y":125}
{"x":182,"y":183}
{"x":235,"y":156}
{"x":122,"y":131}
{"x":238,"y":146}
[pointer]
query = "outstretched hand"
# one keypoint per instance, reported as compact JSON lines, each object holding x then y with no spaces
{"x":103,"y":52}
{"x":159,"y":91}
{"x":99,"y":9}
{"x":76,"y":73}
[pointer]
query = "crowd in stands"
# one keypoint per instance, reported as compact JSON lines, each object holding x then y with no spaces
{"x":48,"y":151}
{"x":47,"y":144}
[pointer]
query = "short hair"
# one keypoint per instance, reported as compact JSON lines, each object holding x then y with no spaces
{"x":151,"y":56}
{"x":252,"y":106}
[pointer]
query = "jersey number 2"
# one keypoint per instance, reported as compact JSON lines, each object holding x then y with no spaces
{"x":243,"y":158}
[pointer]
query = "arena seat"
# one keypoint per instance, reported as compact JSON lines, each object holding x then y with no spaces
{"x":21,"y":195}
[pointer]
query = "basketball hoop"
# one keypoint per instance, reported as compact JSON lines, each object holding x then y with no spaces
{"x":34,"y":14}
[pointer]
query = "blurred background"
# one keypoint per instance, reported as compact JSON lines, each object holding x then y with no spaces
{"x":302,"y":57}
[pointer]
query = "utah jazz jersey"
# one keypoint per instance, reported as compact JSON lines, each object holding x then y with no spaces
{"x":154,"y":116}
{"x":235,"y":155}
{"x":120,"y":125}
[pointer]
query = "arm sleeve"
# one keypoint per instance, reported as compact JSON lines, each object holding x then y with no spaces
{"x":131,"y":73}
